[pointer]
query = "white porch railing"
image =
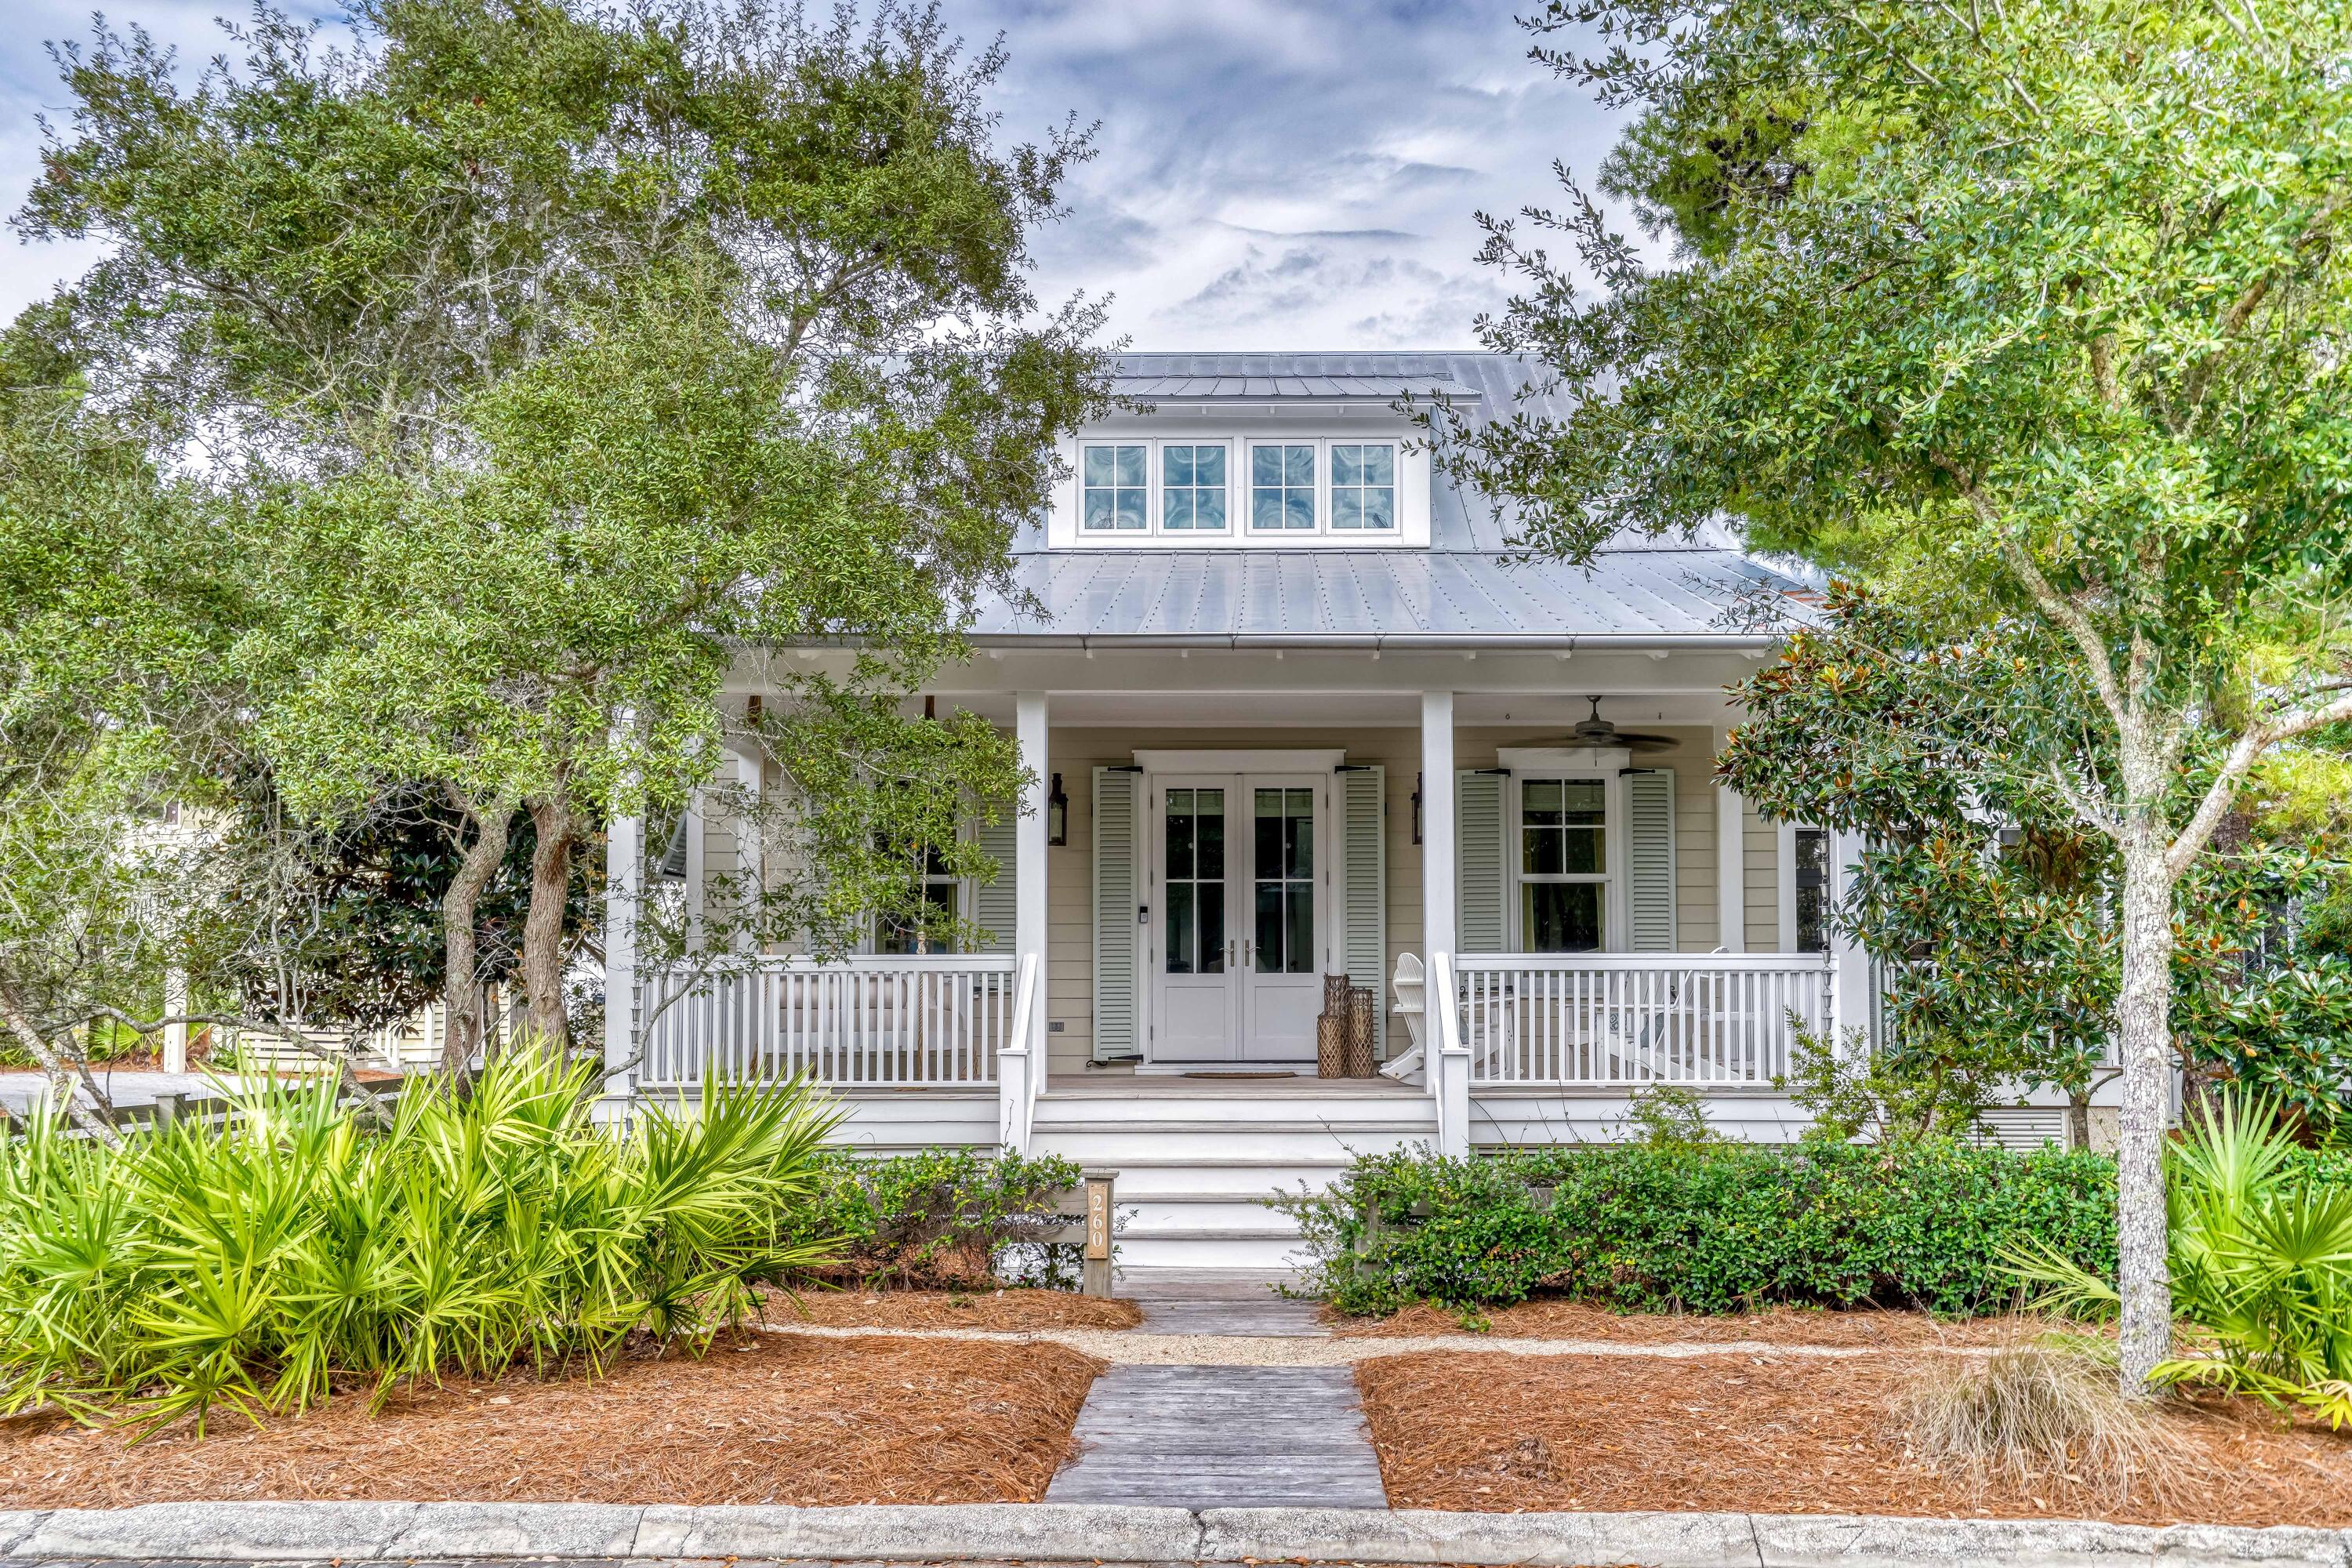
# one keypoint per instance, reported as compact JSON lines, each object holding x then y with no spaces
{"x":1636,"y":1018}
{"x":855,"y":1023}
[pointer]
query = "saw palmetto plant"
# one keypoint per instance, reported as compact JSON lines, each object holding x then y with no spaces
{"x":301,"y":1249}
{"x":2260,"y":1259}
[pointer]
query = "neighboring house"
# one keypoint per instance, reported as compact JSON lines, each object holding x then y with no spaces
{"x":1293,"y":709}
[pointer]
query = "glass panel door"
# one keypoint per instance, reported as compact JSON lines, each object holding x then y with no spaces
{"x":1282,"y":873}
{"x":1193,"y":948}
{"x":1288,"y":933}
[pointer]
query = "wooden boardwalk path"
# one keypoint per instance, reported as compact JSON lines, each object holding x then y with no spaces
{"x":1222,"y":1436}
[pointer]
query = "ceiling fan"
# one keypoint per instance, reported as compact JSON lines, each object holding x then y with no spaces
{"x":1596,"y":731}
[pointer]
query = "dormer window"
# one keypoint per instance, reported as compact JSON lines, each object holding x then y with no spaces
{"x":1201,"y":484}
{"x":1117,"y":489}
{"x":1364,"y":484}
{"x":1193,"y":487}
{"x":1282,"y":485}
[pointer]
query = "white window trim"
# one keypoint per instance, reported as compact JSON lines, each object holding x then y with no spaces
{"x":1605,"y":763}
{"x":967,"y":896}
{"x":1065,"y":520}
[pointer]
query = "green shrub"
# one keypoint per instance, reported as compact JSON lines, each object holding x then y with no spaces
{"x":943,"y":1217}
{"x":1711,"y":1228}
{"x":254,"y":1266}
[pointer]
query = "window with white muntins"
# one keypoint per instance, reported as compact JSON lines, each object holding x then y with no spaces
{"x":1564,"y":864}
{"x":1277,"y":490}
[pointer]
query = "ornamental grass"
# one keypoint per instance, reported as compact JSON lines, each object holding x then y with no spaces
{"x":304,"y":1248}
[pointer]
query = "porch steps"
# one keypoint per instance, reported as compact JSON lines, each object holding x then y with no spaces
{"x":1196,"y":1162}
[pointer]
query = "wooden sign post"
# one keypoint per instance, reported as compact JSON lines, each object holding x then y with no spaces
{"x":1095,"y":1279}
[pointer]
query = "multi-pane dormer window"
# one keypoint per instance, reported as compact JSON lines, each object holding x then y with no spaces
{"x":1192,"y":487}
{"x":1282,"y":485}
{"x":1116,"y":490}
{"x":1363,"y":485}
{"x":1199,"y":482}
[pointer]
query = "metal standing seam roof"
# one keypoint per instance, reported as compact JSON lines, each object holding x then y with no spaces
{"x":1403,"y":598}
{"x":1465,"y":589}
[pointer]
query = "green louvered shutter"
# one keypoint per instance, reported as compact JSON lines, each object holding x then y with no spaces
{"x":1117,"y":793}
{"x":1363,"y":863}
{"x":1650,"y":851}
{"x":1479,"y":877}
{"x":994,"y":905}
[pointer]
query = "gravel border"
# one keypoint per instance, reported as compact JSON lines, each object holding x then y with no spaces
{"x":378,"y":1531}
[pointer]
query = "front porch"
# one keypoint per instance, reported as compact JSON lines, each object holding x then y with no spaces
{"x":1207,"y":835}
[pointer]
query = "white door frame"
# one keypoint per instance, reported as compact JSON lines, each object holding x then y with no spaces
{"x":1239,"y":769}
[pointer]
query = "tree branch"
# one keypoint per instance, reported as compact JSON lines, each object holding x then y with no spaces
{"x":2224,"y":787}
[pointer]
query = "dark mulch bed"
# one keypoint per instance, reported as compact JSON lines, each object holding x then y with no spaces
{"x":1778,"y":1435}
{"x":763,"y":1418}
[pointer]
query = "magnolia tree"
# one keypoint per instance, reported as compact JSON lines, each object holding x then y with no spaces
{"x":2063,"y":284}
{"x":551,"y":359}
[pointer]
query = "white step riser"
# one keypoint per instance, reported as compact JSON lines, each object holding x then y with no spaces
{"x":1121,"y":1150}
{"x":1236,"y":1115}
{"x":1269,"y":1255}
{"x":1138,"y":1181}
{"x":1242,"y":1213}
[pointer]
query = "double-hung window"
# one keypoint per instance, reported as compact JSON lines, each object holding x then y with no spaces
{"x":1282,"y":487}
{"x":896,"y":937}
{"x":1363,"y":485}
{"x":1193,"y":487}
{"x":1116,"y":487}
{"x":1563,"y":869}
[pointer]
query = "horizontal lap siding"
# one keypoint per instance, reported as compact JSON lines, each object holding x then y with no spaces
{"x":1076,"y":752}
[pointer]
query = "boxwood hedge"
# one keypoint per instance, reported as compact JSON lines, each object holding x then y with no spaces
{"x":1709,"y":1228}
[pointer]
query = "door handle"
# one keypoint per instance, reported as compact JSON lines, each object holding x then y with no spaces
{"x":1229,"y":951}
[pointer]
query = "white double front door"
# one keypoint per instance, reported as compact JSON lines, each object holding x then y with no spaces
{"x":1239,"y":926}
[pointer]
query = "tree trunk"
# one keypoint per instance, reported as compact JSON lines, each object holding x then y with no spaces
{"x":66,"y":1082}
{"x":2078,"y":1121}
{"x":543,"y":927}
{"x":461,"y":989}
{"x":2144,"y":1047}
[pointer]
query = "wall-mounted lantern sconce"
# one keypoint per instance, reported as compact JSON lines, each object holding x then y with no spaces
{"x":1057,"y":814}
{"x":1416,"y":808}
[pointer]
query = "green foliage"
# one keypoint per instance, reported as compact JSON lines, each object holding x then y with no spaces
{"x":2261,"y":1255}
{"x":943,"y":1217}
{"x":1668,"y":1116}
{"x":554,"y":364}
{"x":256,"y":1266}
{"x":1723,"y":1228}
{"x":1889,"y":1097}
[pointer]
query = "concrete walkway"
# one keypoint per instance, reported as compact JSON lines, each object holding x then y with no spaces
{"x":1222,"y":1431}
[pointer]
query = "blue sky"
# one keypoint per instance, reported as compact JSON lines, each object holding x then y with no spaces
{"x":1273,"y":173}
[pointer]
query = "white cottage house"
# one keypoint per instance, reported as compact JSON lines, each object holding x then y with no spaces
{"x":1293,"y":709}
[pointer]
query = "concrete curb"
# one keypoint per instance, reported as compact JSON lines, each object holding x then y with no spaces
{"x":1048,"y":1532}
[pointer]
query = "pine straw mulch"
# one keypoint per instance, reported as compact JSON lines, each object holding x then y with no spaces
{"x":763,"y":1418}
{"x":1557,"y":1318}
{"x":989,"y":1308}
{"x":1776,"y":1435}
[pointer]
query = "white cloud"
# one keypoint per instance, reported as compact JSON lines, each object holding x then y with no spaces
{"x":1270,"y":174}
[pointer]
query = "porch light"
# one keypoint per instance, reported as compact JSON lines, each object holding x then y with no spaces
{"x":1057,"y":814}
{"x":1416,"y":808}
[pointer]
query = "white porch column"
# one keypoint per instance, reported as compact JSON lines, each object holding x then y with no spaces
{"x":1437,"y":872}
{"x":1730,"y":862}
{"x":175,"y":1034}
{"x":1021,"y":1065}
{"x":624,"y":868}
{"x":1851,"y":1003}
{"x":1448,"y":1067}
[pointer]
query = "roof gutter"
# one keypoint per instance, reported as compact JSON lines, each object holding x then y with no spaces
{"x":1380,"y":642}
